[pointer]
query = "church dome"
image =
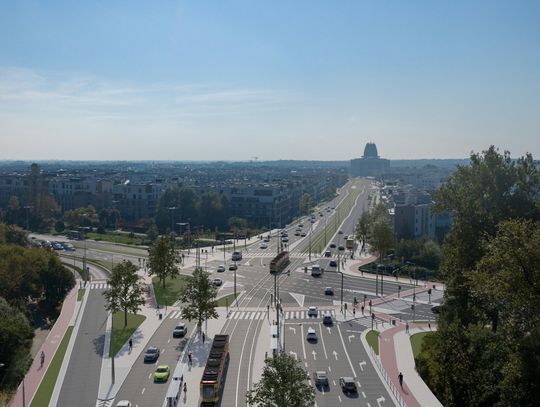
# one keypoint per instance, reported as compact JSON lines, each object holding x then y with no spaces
{"x":370,"y":151}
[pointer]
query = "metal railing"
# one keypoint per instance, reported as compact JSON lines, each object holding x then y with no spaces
{"x":393,"y":389}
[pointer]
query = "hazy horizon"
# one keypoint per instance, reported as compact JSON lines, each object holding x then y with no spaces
{"x":307,"y":80}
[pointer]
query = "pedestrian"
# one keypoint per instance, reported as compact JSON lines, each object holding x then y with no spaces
{"x":400,"y":378}
{"x":190,"y":359}
{"x":406,"y":327}
{"x":42,"y":357}
{"x":362,"y":310}
{"x":203,"y":337}
{"x":185,"y":387}
{"x":429,"y":325}
{"x":354,"y":312}
{"x":130,"y":344}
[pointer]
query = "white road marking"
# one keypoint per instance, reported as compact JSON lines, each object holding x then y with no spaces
{"x":329,"y":331}
{"x":293,"y":329}
{"x":346,"y":353}
{"x":314,"y":354}
{"x":330,"y":369}
{"x":364,"y":394}
{"x":339,"y":397}
{"x":362,"y":364}
{"x":303,"y":344}
{"x":335,"y":354}
{"x":380,"y":400}
{"x":150,"y":375}
{"x":333,"y":381}
{"x":350,"y":336}
{"x":169,"y":340}
{"x":322,"y":340}
{"x":144,"y":388}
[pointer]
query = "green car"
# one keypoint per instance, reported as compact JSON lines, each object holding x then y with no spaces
{"x":162,"y":373}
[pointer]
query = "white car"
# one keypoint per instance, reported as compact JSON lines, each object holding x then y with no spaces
{"x":123,"y":403}
{"x":311,"y":335}
{"x":312,"y":312}
{"x":263,"y":246}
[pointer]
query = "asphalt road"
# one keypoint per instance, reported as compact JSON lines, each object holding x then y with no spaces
{"x":81,"y":382}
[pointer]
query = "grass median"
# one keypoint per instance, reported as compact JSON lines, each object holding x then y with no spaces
{"x":372,"y":338}
{"x":416,"y":342}
{"x":227,"y":300}
{"x":121,"y":333}
{"x":46,"y":387}
{"x":168,"y":295}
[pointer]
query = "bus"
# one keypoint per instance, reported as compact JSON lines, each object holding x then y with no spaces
{"x":215,"y":370}
{"x":350,"y":243}
{"x":279,"y":262}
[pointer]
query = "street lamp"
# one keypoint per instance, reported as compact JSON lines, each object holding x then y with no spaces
{"x":171,"y":209}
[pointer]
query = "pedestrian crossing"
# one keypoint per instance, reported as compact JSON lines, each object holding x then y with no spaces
{"x":272,"y":253}
{"x":99,"y":286}
{"x":104,"y":403}
{"x":263,"y":314}
{"x":175,"y":315}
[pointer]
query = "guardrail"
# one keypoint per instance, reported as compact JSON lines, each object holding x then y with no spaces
{"x":393,"y":389}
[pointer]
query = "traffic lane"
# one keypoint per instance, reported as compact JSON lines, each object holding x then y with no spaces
{"x":313,"y":356}
{"x":81,"y":381}
{"x":139,"y":386}
{"x":371,"y":389}
{"x":242,"y":334}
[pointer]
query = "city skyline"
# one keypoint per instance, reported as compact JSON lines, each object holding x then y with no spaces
{"x":306,"y":81}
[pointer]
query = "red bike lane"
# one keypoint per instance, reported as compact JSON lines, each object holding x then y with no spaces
{"x":36,"y":372}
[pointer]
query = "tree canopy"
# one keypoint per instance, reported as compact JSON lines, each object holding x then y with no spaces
{"x":486,"y":350}
{"x":284,"y":383}
{"x":162,"y":259}
{"x":199,"y":298}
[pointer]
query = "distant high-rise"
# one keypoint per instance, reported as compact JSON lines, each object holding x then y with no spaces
{"x":370,"y":164}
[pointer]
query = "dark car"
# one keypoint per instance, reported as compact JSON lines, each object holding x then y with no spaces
{"x":341,"y":248}
{"x":436,"y":309}
{"x":151,"y":354}
{"x":328,"y":291}
{"x":179,"y":331}
{"x":332,"y":246}
{"x":333,"y":263}
{"x":347,"y":384}
{"x":233,"y":267}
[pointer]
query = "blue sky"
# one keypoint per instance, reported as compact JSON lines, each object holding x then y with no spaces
{"x":274,"y":79}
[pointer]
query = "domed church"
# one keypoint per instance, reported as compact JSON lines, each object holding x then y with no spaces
{"x":370,"y":165}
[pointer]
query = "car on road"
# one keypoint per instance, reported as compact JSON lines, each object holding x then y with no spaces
{"x":233,"y":267}
{"x":312,"y":312}
{"x":263,"y":246}
{"x":68,"y":246}
{"x":217,"y":282}
{"x":220,"y":268}
{"x":151,"y":354}
{"x":236,"y":256}
{"x":162,"y":373}
{"x":332,"y":245}
{"x":328,"y":291}
{"x":297,"y":233}
{"x":284,"y":239}
{"x":340,"y":232}
{"x":341,"y":248}
{"x":179,"y":331}
{"x":436,"y":309}
{"x":320,"y":378}
{"x":333,"y":263}
{"x":300,"y":225}
{"x":123,"y":403}
{"x":311,"y":335}
{"x":57,"y":246}
{"x":266,"y":239}
{"x":302,"y":234}
{"x":347,"y":385}
{"x":327,"y":318}
{"x":328,"y":253}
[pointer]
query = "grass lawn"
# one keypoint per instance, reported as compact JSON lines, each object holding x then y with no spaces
{"x":121,"y":334}
{"x":416,"y":342}
{"x":228,"y":299}
{"x":169,"y":294}
{"x":46,"y":387}
{"x":80,"y":294}
{"x":373,"y":340}
{"x":116,"y":238}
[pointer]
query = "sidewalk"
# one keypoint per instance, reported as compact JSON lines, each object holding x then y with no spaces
{"x":35,"y":374}
{"x":396,"y":356}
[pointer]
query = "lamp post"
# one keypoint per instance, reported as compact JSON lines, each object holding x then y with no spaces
{"x":28,"y":207}
{"x":310,"y":233}
{"x":171,"y":209}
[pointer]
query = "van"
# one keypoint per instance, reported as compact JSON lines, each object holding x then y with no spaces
{"x":327,"y":318}
{"x":328,"y":253}
{"x":316,"y":270}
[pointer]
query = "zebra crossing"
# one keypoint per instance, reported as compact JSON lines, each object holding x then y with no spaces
{"x":104,"y":403}
{"x":271,"y":253}
{"x":262,"y":315}
{"x":175,"y":315}
{"x":99,"y":286}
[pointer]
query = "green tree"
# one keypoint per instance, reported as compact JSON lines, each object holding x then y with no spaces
{"x":306,"y":203}
{"x":237,"y":224}
{"x":284,"y":383}
{"x":199,"y":298}
{"x":56,"y":280}
{"x":363,"y":227}
{"x":186,"y":203}
{"x":126,"y":292}
{"x":15,"y":342}
{"x":381,"y":236}
{"x":152,"y":233}
{"x":162,"y":259}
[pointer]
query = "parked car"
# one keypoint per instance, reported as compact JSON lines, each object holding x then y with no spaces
{"x":57,"y":246}
{"x":347,"y":385}
{"x":151,"y":354}
{"x":220,"y":268}
{"x":311,"y":335}
{"x":68,"y":246}
{"x":162,"y":373}
{"x":217,"y":282}
{"x":179,"y":331}
{"x":320,"y":378}
{"x":312,"y":312}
